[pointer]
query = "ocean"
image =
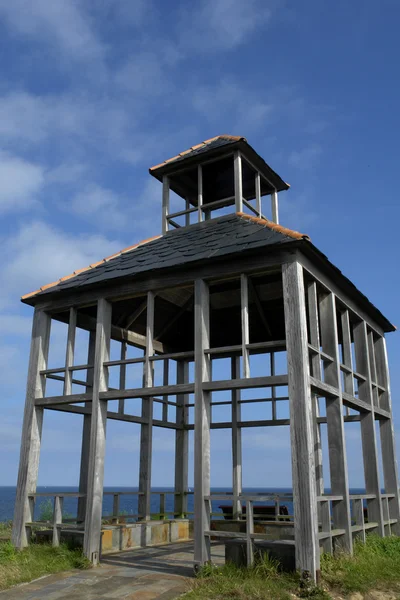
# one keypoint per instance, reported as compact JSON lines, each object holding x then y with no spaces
{"x":128,"y":504}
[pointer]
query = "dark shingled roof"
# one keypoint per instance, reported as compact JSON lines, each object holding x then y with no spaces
{"x":210,"y":239}
{"x":215,"y":238}
{"x":215,"y":147}
{"x":206,"y":146}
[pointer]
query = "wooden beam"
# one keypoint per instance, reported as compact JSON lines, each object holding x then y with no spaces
{"x":31,"y":429}
{"x":69,"y":357}
{"x":165,"y":205}
{"x":258,"y":193}
{"x":87,"y":419}
{"x":259,"y":261}
{"x":122,"y":378}
{"x":146,"y":429}
{"x":275,"y":207}
{"x":340,"y":288}
{"x":174,"y":319}
{"x":244,"y":295}
{"x":368,"y":433}
{"x":312,"y":298}
{"x":388,"y":446}
{"x":241,"y":384}
{"x":259,"y":307}
{"x":238,"y":182}
{"x":181,"y":443}
{"x":347,"y":355}
{"x":236,"y":442}
{"x":301,"y":427}
{"x":335,"y":424}
{"x":200,"y":192}
{"x":135,"y":315}
{"x":120,"y":334}
{"x":91,"y":542}
{"x":202,"y":425}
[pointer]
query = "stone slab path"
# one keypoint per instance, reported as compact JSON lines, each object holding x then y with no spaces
{"x":147,"y":574}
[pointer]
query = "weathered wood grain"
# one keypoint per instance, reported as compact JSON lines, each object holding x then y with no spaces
{"x":301,"y":428}
{"x":202,"y":425}
{"x":32,"y":428}
{"x":91,"y":542}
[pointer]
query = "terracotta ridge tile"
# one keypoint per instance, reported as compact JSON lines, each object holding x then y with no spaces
{"x":92,"y":266}
{"x":275,"y":227}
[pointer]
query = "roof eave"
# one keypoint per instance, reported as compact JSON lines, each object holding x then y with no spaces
{"x":347,"y":285}
{"x":246,"y":149}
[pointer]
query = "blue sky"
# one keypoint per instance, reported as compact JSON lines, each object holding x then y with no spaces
{"x":93,"y":93}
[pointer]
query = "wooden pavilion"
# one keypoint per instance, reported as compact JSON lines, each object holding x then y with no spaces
{"x":222,"y":281}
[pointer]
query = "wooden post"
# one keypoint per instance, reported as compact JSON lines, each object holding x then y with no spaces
{"x":187,"y":216}
{"x":274,"y":206}
{"x":165,"y":205}
{"x":94,"y":503}
{"x":249,"y":532}
{"x":146,"y":431}
{"x":244,"y":294}
{"x":368,"y":433}
{"x":181,"y":443}
{"x":31,"y":429}
{"x":312,"y":297}
{"x":335,"y":423}
{"x":57,"y":519}
{"x":390,"y":472}
{"x":301,"y":429}
{"x":69,"y":357}
{"x":115,"y":508}
{"x":87,"y":419}
{"x":258,"y":194}
{"x":347,"y":356}
{"x":238,"y":182}
{"x":201,"y":425}
{"x":165,"y":382}
{"x":122,"y":378}
{"x":200,"y":193}
{"x":236,"y":442}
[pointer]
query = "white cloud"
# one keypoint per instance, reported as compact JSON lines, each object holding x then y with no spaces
{"x":144,"y":74}
{"x":306,"y":158}
{"x":227,"y":100}
{"x":211,"y":25}
{"x":102,"y":205}
{"x":40,"y":254}
{"x":66,"y":173}
{"x":20,"y":182}
{"x":60,"y":22}
{"x":83,"y":120}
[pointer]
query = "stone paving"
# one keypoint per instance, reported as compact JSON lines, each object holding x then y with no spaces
{"x":147,"y":574}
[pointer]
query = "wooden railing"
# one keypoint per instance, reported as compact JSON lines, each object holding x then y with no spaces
{"x":250,"y":517}
{"x":57,"y":522}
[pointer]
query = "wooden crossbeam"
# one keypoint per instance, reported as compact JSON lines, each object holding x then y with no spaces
{"x":132,"y":317}
{"x":259,"y":307}
{"x":174,"y":319}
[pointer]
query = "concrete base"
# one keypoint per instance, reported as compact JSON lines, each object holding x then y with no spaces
{"x":127,"y":536}
{"x":282,"y":551}
{"x":142,"y":534}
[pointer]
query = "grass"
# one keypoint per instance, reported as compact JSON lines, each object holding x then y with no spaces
{"x":375,"y":565}
{"x":5,"y":530}
{"x":35,"y":561}
{"x":263,"y":581}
